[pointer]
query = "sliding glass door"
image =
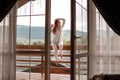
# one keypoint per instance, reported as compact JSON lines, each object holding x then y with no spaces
{"x":79,"y":40}
{"x":34,"y":52}
{"x":81,"y":51}
{"x":30,"y":40}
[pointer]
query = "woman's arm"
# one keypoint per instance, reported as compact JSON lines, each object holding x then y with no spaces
{"x":51,"y":27}
{"x":63,"y":23}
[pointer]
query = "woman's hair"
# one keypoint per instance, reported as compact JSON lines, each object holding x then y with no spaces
{"x":55,"y":26}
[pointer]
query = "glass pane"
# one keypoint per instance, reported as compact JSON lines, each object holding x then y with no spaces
{"x":78,"y":21}
{"x":23,"y":9}
{"x":37,"y":41}
{"x":23,"y":30}
{"x":81,"y":40}
{"x":82,"y":3}
{"x":22,"y":38}
{"x":60,"y":69}
{"x":38,"y":30}
{"x":81,"y":68}
{"x":30,"y":40}
{"x":38,"y":7}
{"x":81,"y":28}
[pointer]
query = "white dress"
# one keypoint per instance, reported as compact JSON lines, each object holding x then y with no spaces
{"x":57,"y":42}
{"x":58,"y":37}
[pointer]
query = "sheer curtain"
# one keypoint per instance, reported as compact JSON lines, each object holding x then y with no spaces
{"x":107,"y":52}
{"x":7,"y":46}
{"x":104,"y":45}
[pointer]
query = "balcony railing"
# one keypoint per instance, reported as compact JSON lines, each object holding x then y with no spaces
{"x":32,"y":58}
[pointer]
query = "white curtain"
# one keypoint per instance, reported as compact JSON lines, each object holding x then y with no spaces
{"x":7,"y":46}
{"x":107,"y":52}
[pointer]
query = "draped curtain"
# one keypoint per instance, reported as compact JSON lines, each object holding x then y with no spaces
{"x":5,"y":6}
{"x":110,"y":11}
{"x":7,"y":46}
{"x":107,"y":55}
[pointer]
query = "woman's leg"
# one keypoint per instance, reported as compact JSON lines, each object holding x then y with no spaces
{"x":54,"y":46}
{"x":60,"y":48}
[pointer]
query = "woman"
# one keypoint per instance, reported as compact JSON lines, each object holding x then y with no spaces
{"x":57,"y":42}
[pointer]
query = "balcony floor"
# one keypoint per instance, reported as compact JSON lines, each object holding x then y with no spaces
{"x":37,"y":76}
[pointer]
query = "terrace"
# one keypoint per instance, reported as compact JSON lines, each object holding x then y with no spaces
{"x":30,"y":60}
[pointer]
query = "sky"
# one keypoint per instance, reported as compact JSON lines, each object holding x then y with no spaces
{"x":59,"y":9}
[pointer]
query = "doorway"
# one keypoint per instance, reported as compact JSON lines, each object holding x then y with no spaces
{"x":33,"y":45}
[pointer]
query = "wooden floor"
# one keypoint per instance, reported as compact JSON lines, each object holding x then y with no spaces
{"x":37,"y":76}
